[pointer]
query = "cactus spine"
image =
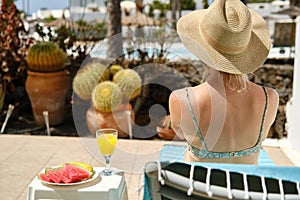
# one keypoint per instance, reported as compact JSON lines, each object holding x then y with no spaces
{"x":129,"y":81}
{"x":87,"y":78}
{"x":46,"y":57}
{"x":107,"y":96}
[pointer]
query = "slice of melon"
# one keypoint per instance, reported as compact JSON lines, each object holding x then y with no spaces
{"x":59,"y":172}
{"x":45,"y":177}
{"x":71,"y":174}
{"x":81,"y":172}
{"x":82,"y":165}
{"x":53,"y":176}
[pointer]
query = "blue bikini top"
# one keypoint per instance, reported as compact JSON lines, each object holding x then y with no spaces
{"x":205,"y":153}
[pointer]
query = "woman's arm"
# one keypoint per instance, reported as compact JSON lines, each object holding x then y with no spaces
{"x":272,"y":109}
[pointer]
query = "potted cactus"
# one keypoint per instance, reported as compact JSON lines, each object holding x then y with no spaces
{"x":47,"y":83}
{"x":110,"y":101}
{"x":130,"y":83}
{"x":107,"y":109}
{"x":88,"y":77}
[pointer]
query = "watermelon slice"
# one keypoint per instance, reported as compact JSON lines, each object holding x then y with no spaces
{"x":83,"y":174}
{"x":45,"y":177}
{"x":71,"y":174}
{"x":59,"y":172}
{"x":53,"y":176}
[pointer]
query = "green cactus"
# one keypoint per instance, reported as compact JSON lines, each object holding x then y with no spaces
{"x":46,"y":57}
{"x":107,"y":96}
{"x":114,"y":69}
{"x":87,"y":78}
{"x":129,"y":81}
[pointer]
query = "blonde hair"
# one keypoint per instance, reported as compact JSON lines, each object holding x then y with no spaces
{"x":237,"y":82}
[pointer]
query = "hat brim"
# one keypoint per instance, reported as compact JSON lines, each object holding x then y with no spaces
{"x":253,"y":57}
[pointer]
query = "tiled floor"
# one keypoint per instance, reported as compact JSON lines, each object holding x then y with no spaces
{"x":21,"y":157}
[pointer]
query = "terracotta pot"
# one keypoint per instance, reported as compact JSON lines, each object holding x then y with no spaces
{"x":116,"y":119}
{"x":47,"y":92}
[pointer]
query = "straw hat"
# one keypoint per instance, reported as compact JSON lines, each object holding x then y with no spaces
{"x":227,"y":36}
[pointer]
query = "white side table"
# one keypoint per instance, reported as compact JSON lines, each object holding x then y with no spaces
{"x":102,"y":188}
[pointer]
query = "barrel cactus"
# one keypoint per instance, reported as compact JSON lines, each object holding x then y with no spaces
{"x":87,"y":78}
{"x":115,"y":69}
{"x":107,"y":96}
{"x":129,"y":81}
{"x":46,"y":57}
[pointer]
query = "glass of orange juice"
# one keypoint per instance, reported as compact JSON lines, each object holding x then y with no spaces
{"x":107,"y":140}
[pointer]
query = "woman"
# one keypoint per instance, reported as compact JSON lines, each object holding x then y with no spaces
{"x":226,"y":118}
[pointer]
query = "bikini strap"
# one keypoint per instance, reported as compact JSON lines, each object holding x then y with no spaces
{"x":194,"y":119}
{"x":264,"y":115}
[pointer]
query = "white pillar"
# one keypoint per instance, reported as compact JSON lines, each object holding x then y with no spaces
{"x":293,"y":106}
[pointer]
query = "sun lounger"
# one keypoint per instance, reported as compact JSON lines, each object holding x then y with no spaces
{"x":171,"y":178}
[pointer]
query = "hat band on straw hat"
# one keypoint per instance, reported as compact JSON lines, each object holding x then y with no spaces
{"x":229,"y":50}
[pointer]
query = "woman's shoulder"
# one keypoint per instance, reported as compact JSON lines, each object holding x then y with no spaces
{"x":273,"y":97}
{"x":180,"y":94}
{"x":271,"y":92}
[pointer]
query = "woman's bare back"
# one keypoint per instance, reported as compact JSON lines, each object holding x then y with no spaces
{"x":228,"y":120}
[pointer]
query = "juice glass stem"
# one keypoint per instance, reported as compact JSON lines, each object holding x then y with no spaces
{"x":107,"y":171}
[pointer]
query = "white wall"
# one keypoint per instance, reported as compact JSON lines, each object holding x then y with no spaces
{"x":293,"y":107}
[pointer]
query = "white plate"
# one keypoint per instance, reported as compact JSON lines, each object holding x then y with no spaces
{"x":95,"y":175}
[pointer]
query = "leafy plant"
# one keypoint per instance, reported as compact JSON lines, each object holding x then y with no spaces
{"x":151,"y":47}
{"x":64,"y":37}
{"x":49,"y":19}
{"x":13,"y":48}
{"x":188,"y":5}
{"x":258,"y":1}
{"x":163,"y":7}
{"x":89,"y":31}
{"x":205,"y":4}
{"x":158,"y":5}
